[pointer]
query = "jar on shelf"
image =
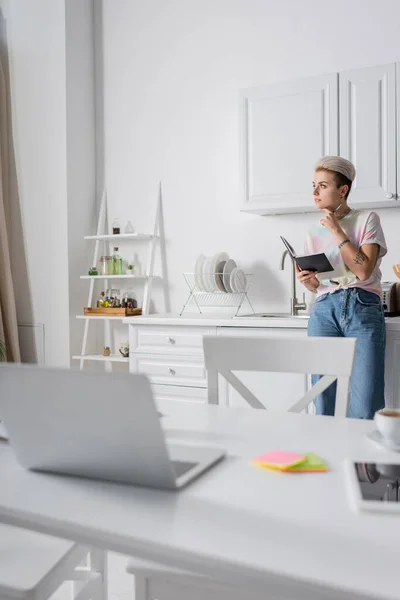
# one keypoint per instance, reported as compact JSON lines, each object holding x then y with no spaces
{"x":93,"y":271}
{"x":116,"y":229}
{"x":129,"y":227}
{"x":105,"y":265}
{"x":102,"y":301}
{"x":136,"y":265}
{"x":113,"y":296}
{"x":116,"y":262}
{"x":128,"y":299}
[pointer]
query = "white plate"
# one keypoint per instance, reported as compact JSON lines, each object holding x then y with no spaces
{"x":198,"y":274}
{"x":239,"y":280}
{"x":218,"y":275}
{"x":228,"y":268}
{"x":216,"y":259}
{"x":207,"y":279}
{"x":232,"y":280}
{"x":378,"y":439}
{"x":211,"y":273}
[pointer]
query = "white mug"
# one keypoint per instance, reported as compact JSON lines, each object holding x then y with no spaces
{"x":387,"y":422}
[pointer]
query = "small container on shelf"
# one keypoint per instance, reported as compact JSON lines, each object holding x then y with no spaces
{"x":105,"y":265}
{"x":129,"y":227}
{"x":124,"y":349}
{"x":116,"y":229}
{"x":136,"y":265}
{"x":93,"y":271}
{"x":128,"y":299}
{"x":102,"y":302}
{"x":116,"y":263}
{"x":113,"y":296}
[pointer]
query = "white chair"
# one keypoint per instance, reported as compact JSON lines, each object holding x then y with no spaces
{"x":156,"y":582}
{"x":331,"y":357}
{"x":33,"y":566}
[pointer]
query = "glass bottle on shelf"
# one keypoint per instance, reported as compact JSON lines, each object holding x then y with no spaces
{"x":116,"y":229}
{"x":128,"y":299}
{"x":129,"y":227}
{"x":102,"y":302}
{"x":116,"y":263}
{"x":114,"y":298}
{"x":105,"y":265}
{"x":136,"y":265}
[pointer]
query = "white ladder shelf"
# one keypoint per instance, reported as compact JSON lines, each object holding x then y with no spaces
{"x":155,"y":239}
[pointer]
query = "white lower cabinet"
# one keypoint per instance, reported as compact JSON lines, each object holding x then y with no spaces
{"x":277,"y":391}
{"x":172,"y":357}
{"x":392,"y":370}
{"x":180,"y":393}
{"x":171,"y":370}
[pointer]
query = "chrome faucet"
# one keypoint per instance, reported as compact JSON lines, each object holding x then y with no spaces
{"x":295,"y":306}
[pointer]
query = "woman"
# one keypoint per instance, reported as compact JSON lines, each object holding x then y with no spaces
{"x":348,"y":299}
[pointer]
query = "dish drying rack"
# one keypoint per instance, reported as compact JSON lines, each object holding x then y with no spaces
{"x":218,"y":298}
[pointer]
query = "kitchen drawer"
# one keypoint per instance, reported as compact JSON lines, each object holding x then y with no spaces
{"x":170,"y":370}
{"x":169,"y":340}
{"x":263,"y":332}
{"x":180,"y":393}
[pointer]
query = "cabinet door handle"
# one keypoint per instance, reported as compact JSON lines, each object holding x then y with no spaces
{"x":171,"y":371}
{"x":389,"y":196}
{"x":170,"y":340}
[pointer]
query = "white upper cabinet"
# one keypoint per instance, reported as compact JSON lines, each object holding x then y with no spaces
{"x":367,"y":121}
{"x":284,"y":129}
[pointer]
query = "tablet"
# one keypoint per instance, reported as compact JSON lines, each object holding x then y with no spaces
{"x":373,"y":486}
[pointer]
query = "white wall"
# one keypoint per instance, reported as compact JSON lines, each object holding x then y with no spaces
{"x":36,"y":46}
{"x":171,"y":75}
{"x":49,"y":48}
{"x":81,"y":167}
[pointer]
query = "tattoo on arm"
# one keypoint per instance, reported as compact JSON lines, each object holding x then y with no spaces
{"x":359,"y":258}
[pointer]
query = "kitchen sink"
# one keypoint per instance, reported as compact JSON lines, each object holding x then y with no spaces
{"x":272,"y":316}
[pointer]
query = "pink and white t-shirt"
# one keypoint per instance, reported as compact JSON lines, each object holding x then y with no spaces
{"x":361,"y":227}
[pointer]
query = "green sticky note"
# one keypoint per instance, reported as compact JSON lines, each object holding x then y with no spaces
{"x":313,"y":462}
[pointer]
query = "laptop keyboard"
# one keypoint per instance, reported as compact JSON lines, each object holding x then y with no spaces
{"x":182,"y":467}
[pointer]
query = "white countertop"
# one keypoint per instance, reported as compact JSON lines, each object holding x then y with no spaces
{"x":220,"y":320}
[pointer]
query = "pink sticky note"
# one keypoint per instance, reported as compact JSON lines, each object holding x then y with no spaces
{"x":279,"y":459}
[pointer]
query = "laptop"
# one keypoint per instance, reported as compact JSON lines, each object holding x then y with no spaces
{"x":94,"y":424}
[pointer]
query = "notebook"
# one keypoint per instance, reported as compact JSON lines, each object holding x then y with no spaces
{"x":311,"y":262}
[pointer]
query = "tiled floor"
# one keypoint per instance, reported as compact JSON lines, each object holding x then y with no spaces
{"x":120,"y":583}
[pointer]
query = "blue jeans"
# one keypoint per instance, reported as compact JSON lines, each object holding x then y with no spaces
{"x":353,"y":312}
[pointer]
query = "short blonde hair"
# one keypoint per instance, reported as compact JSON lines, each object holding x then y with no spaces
{"x":343,"y":170}
{"x":338,"y":165}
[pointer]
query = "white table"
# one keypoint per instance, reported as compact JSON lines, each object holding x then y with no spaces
{"x":238,"y":523}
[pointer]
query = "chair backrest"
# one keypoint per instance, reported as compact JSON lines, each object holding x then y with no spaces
{"x":330,"y":357}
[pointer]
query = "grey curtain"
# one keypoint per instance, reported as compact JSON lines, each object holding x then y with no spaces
{"x":8,"y":314}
